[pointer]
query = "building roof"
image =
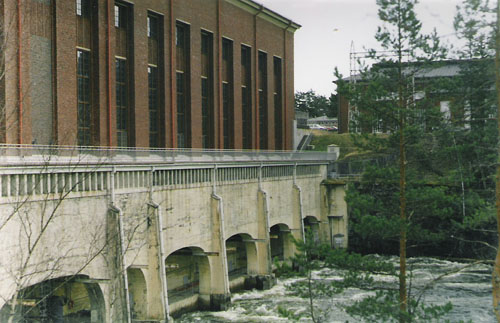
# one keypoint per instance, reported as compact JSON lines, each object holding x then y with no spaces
{"x":446,"y":68}
{"x":267,"y":14}
{"x":322,"y":118}
{"x":301,"y":114}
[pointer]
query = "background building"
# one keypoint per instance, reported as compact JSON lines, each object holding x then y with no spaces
{"x":459,"y":92}
{"x":324,"y":121}
{"x":198,"y":73}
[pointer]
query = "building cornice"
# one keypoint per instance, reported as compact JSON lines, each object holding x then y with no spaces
{"x":266,"y":14}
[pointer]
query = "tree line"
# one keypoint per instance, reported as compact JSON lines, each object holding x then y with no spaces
{"x":316,"y":105}
{"x":429,"y":112}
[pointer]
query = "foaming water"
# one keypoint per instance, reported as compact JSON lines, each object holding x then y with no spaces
{"x":467,"y":287}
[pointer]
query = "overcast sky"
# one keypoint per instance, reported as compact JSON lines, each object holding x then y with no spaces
{"x":329,"y":27}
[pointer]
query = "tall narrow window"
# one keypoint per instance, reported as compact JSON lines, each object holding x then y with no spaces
{"x":246,"y":95}
{"x":84,"y":114}
{"x":83,"y":72}
{"x":227,"y":93}
{"x":83,"y":23}
{"x":183,"y":85}
{"x":40,"y":49}
{"x":122,"y":118}
{"x":207,"y":90}
{"x":155,"y":67}
{"x":262,"y":78}
{"x":278,"y":104}
{"x":123,"y":67}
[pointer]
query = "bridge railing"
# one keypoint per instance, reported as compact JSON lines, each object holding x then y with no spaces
{"x":11,"y":155}
{"x":345,"y":177}
{"x":353,"y":168}
{"x":18,"y":181}
{"x":59,"y":171}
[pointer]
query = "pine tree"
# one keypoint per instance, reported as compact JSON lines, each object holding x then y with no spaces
{"x":496,"y":269}
{"x":316,"y":105}
{"x":384,"y":97}
{"x":478,"y":23}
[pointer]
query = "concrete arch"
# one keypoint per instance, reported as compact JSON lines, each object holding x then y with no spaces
{"x":97,"y":303}
{"x":188,"y":279}
{"x":68,"y":299}
{"x":242,"y":259}
{"x":311,"y":224}
{"x":138,"y":293}
{"x":282,"y":246}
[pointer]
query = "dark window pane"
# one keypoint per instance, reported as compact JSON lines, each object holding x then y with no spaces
{"x":123,"y":79}
{"x":181,"y":117}
{"x":246,"y":99}
{"x":262,"y":77}
{"x":153,"y":107}
{"x":183,"y":84}
{"x":207,"y":90}
{"x":121,"y":102}
{"x":227,"y":93}
{"x":83,"y":23}
{"x":84,"y":121}
{"x":278,"y":104}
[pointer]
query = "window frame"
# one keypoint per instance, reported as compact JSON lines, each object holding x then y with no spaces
{"x":246,"y":96}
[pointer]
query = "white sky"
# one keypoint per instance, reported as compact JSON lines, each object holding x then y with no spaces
{"x":329,"y":26}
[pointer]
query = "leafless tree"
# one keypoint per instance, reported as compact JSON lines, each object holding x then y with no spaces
{"x":46,"y":235}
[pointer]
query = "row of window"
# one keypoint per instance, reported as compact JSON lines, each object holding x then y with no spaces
{"x":125,"y":82}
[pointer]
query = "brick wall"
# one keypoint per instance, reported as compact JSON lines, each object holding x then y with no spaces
{"x":241,"y":26}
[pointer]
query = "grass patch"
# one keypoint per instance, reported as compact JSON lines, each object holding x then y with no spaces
{"x":322,"y":139}
{"x":346,"y":141}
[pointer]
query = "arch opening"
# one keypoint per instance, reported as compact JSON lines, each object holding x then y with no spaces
{"x":311,"y":228}
{"x":241,"y":254}
{"x":66,"y":299}
{"x":281,"y":242}
{"x":138,"y":293}
{"x":237,"y":264}
{"x":188,"y":279}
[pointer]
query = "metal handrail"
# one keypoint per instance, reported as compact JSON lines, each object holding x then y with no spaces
{"x":20,"y":155}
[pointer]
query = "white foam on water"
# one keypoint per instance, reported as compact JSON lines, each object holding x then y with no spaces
{"x":469,"y":290}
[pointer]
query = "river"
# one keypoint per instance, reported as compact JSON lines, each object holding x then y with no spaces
{"x":469,"y":290}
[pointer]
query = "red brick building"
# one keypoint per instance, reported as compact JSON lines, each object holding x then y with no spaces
{"x":148,"y":73}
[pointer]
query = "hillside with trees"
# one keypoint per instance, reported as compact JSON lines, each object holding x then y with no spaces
{"x":316,"y":105}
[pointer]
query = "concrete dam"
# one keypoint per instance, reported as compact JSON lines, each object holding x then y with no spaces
{"x":117,"y":235}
